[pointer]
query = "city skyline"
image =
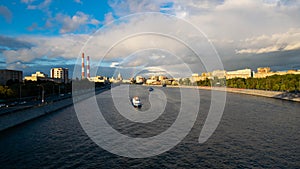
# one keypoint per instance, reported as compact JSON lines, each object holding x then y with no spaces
{"x":265,"y":34}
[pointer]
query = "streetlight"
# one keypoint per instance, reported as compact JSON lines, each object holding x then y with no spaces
{"x":42,"y":93}
{"x":58,"y":89}
{"x":20,"y":94}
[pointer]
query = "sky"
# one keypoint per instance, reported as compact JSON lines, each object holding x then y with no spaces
{"x":175,"y":37}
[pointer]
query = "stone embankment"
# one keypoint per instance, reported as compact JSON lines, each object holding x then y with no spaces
{"x":264,"y":93}
{"x":272,"y":94}
{"x":8,"y":120}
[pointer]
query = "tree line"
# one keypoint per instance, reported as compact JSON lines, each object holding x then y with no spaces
{"x":32,"y":89}
{"x":289,"y":83}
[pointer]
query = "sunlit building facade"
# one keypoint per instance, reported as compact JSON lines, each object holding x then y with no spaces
{"x":60,"y":73}
{"x":243,"y":73}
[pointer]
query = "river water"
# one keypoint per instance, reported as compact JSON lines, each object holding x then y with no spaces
{"x":254,"y":132}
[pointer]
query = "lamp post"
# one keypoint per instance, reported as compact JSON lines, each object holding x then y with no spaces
{"x":43,"y":91}
{"x":58,"y":90}
{"x":20,"y":94}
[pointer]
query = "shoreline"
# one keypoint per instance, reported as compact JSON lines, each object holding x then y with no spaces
{"x":12,"y":119}
{"x":254,"y":92}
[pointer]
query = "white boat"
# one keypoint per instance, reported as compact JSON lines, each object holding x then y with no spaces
{"x":136,"y":102}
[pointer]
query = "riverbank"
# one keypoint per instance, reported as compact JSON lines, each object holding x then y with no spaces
{"x":271,"y":94}
{"x":11,"y":119}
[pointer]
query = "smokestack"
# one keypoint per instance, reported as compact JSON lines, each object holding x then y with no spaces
{"x":82,"y":66}
{"x":88,"y":67}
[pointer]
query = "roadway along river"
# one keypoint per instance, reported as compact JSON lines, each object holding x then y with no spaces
{"x":254,"y":132}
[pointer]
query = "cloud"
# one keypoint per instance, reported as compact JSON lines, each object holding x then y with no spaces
{"x":114,"y":64}
{"x":10,"y":43}
{"x":240,"y":31}
{"x":72,"y":23}
{"x":271,"y":43}
{"x":31,"y":5}
{"x":108,"y":18}
{"x":126,"y":7}
{"x":17,"y":66}
{"x":78,"y":1}
{"x":5,"y":13}
{"x":27,"y":1}
{"x":66,"y":47}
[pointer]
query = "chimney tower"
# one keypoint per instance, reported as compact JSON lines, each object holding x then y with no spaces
{"x":88,"y":67}
{"x":82,"y":66}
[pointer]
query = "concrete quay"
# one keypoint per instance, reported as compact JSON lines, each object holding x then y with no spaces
{"x":264,"y":93}
{"x":271,"y":94}
{"x":12,"y":119}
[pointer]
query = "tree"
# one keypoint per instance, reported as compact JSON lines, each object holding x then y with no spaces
{"x":276,"y":87}
{"x":283,"y":88}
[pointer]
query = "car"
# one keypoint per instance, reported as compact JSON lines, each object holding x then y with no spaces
{"x":2,"y":105}
{"x":11,"y":104}
{"x":151,"y":89}
{"x":136,"y":102}
{"x":22,"y":102}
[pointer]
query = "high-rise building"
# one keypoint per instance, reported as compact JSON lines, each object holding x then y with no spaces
{"x":60,"y":73}
{"x":6,"y":75}
{"x":119,"y":77}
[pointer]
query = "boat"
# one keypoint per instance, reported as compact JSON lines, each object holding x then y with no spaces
{"x":136,"y":102}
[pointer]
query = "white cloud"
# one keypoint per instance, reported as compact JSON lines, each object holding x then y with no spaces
{"x":27,"y":1}
{"x":66,"y":46}
{"x":243,"y":27}
{"x":114,"y":64}
{"x":108,"y":18}
{"x":271,"y":43}
{"x":78,"y":1}
{"x":126,"y":7}
{"x":41,"y":6}
{"x":6,"y":13}
{"x":72,"y":23}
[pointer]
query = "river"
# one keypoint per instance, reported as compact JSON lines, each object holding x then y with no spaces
{"x":254,"y":132}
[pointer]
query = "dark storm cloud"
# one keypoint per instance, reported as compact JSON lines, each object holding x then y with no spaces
{"x":276,"y":60}
{"x":13,"y":43}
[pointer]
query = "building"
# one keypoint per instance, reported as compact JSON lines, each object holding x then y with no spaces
{"x":162,"y":78}
{"x":263,"y":70}
{"x":37,"y":76}
{"x":99,"y":79}
{"x":206,"y":75}
{"x":6,"y":75}
{"x":140,"y":80}
{"x":156,"y":78}
{"x":196,"y":78}
{"x":120,"y":78}
{"x":220,"y":74}
{"x":244,"y":73}
{"x":60,"y":73}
